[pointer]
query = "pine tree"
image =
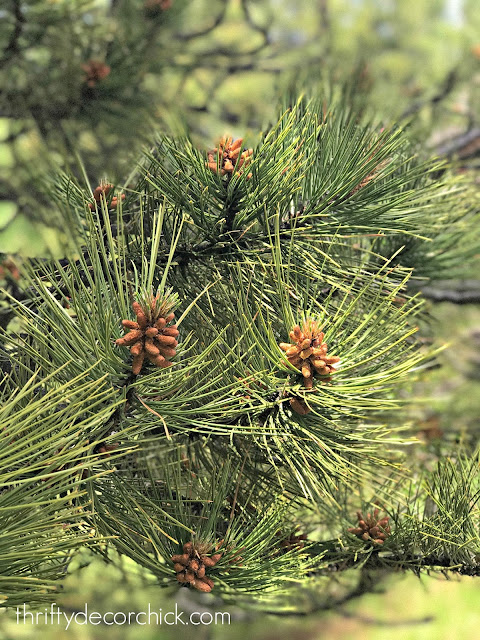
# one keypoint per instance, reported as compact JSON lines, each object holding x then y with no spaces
{"x":95,"y":77}
{"x":215,"y":379}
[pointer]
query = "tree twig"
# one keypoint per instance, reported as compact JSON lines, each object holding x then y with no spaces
{"x":445,"y":90}
{"x":12,"y":47}
{"x":458,"y":294}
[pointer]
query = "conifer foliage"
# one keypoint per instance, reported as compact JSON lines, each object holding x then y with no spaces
{"x":154,"y":404}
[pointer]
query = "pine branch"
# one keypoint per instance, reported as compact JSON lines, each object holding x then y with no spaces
{"x":217,"y":21}
{"x":448,"y":85}
{"x":43,"y":497}
{"x":276,"y":397}
{"x":456,"y":292}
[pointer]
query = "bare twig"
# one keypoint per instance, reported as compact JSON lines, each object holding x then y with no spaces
{"x":201,"y":32}
{"x":456,"y":294}
{"x":256,"y":27}
{"x":445,"y":90}
{"x":464,"y":145}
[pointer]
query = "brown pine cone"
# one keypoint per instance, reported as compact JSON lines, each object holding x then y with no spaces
{"x":191,"y":565}
{"x":95,"y":71}
{"x":308,"y":353}
{"x":105,"y":448}
{"x":371,"y":528}
{"x":299,"y":406}
{"x":105,"y":189}
{"x":229,"y":156}
{"x":151,"y":336}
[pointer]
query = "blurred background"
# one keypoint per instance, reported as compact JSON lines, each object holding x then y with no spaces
{"x":95,"y":79}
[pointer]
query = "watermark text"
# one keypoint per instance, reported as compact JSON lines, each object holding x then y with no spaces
{"x":54,"y":615}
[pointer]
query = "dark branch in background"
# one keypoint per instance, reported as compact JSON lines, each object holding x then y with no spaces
{"x":324,"y":15}
{"x":464,"y":146}
{"x":325,"y":25}
{"x":445,"y":90}
{"x":216,"y":22}
{"x":458,"y":292}
{"x":229,"y":68}
{"x":256,"y":27}
{"x":12,"y":47}
{"x":415,"y":563}
{"x":368,"y":583}
{"x":387,"y":623}
{"x":372,"y":572}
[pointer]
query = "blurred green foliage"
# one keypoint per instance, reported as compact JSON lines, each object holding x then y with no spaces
{"x":207,"y":67}
{"x":403,"y":608}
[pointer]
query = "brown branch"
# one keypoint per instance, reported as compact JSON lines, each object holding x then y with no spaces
{"x":456,"y":291}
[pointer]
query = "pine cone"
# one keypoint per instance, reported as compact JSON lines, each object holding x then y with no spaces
{"x":309,"y":353}
{"x":105,"y":448}
{"x":9,"y":268}
{"x":105,"y":189}
{"x":225,"y":158}
{"x":95,"y":71}
{"x":299,"y":406}
{"x":191,"y":566}
{"x":151,"y":336}
{"x":371,"y":528}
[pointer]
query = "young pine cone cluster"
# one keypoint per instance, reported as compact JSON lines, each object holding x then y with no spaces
{"x":151,"y":336}
{"x":371,"y":528}
{"x":229,"y":156}
{"x":308,"y":352}
{"x":94,"y":72}
{"x":104,"y":189}
{"x":191,"y":566}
